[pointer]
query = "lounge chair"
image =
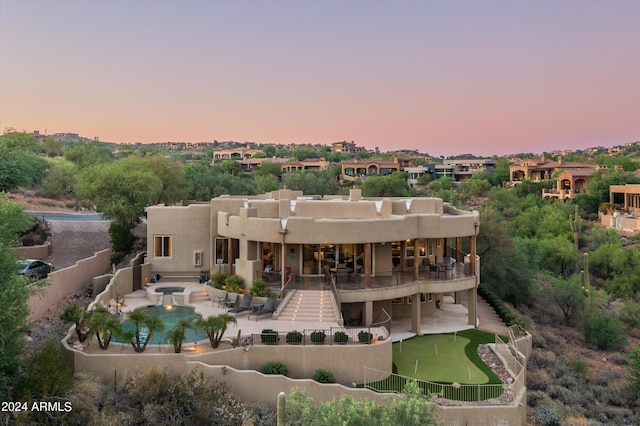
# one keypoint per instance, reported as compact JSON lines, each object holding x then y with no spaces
{"x":230,"y":300}
{"x":268,"y":308}
{"x":245,"y":305}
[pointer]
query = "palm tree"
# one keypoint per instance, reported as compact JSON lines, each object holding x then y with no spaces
{"x":143,"y":320}
{"x":105,"y":325}
{"x":78,"y":315}
{"x":215,"y":326}
{"x":177,"y":334}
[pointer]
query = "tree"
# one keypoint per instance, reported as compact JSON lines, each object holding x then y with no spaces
{"x":84,"y":154}
{"x":178,"y":333}
{"x":565,"y":293}
{"x":118,"y":191}
{"x":174,"y":185}
{"x":145,"y":326}
{"x":15,"y":291}
{"x":393,"y":185}
{"x":104,"y":325}
{"x":215,"y":326}
{"x":17,"y":168}
{"x":634,"y":370}
{"x":603,"y":330}
{"x":79,"y":316}
{"x":60,"y":180}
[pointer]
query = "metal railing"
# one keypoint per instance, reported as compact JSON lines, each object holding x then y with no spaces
{"x":383,"y":381}
{"x":318,"y":336}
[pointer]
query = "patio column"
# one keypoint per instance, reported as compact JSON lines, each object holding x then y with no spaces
{"x":367,"y":265}
{"x":416,"y":259}
{"x":368,"y":313}
{"x":230,"y":255}
{"x":458,"y":252}
{"x":415,"y":314}
{"x":471,"y":306}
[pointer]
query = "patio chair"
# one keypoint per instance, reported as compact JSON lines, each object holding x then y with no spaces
{"x":268,"y":308}
{"x":220,"y":300}
{"x":245,"y":305}
{"x":230,"y":300}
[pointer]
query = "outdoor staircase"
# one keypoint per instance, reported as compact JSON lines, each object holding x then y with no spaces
{"x":309,"y":305}
{"x":199,"y":296}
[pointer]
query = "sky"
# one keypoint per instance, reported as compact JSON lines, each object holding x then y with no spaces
{"x":441,"y":77}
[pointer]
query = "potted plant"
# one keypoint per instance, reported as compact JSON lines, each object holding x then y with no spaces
{"x":294,"y":337}
{"x":318,"y":337}
{"x":365,"y":337}
{"x":340,"y":337}
{"x":269,"y":337}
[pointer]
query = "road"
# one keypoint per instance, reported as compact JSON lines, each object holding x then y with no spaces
{"x":75,"y":217}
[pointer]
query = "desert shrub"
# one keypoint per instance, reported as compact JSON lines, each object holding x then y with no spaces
{"x":542,"y":359}
{"x":538,"y":380}
{"x":603,"y":330}
{"x":28,"y":242}
{"x":262,"y":415}
{"x":46,"y":374}
{"x":275,"y":367}
{"x":579,"y":366}
{"x":324,"y":376}
{"x":234,"y":283}
{"x":536,"y":398}
{"x":546,"y":416}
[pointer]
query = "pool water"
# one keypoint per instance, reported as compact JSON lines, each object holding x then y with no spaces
{"x":169,"y":290}
{"x":169,"y":316}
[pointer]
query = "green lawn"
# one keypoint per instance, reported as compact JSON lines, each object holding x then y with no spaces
{"x":445,"y":358}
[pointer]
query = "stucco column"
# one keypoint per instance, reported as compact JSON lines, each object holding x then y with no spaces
{"x":458,"y":252}
{"x":283,"y":253}
{"x":415,"y":314}
{"x":367,"y":265}
{"x":230,"y":255}
{"x":403,"y":249}
{"x":416,"y":259}
{"x":471,"y":302}
{"x":472,"y":253}
{"x":368,"y":313}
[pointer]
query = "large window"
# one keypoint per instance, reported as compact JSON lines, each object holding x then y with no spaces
{"x":162,"y":246}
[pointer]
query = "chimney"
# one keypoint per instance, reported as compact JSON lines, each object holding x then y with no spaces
{"x":560,"y":159}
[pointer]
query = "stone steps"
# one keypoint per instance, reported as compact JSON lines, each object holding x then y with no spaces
{"x":309,"y":305}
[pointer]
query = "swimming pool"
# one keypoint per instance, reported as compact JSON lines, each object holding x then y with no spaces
{"x":169,"y":315}
{"x":169,"y":290}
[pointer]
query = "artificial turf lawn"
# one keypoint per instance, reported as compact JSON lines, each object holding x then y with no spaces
{"x":455,"y":362}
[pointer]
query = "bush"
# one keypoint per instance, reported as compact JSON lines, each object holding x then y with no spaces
{"x":324,"y":376}
{"x":293,"y":337}
{"x":340,"y":337}
{"x":234,"y":283}
{"x":269,"y":337}
{"x":365,"y":337}
{"x":318,"y":336}
{"x":603,"y":330}
{"x":546,"y":416}
{"x":275,"y":367}
{"x":28,"y":242}
{"x":259,"y":289}
{"x":121,"y":238}
{"x":217,"y":279}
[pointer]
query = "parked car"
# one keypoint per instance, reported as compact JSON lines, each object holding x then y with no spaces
{"x":34,"y":268}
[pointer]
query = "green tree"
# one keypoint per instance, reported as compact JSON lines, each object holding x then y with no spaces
{"x":79,"y":316}
{"x":146,"y":325}
{"x":634,"y":371}
{"x":46,"y":374}
{"x":603,"y":330}
{"x":215,"y":326}
{"x":19,"y":169}
{"x":177,"y":334}
{"x":60,"y":180}
{"x":174,"y":185}
{"x":269,"y":168}
{"x":118,"y":191}
{"x":15,"y":291}
{"x":564,"y":293}
{"x":393,"y":185}
{"x":104,"y":325}
{"x":85,"y":154}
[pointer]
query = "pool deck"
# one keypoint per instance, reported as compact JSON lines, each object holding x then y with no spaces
{"x":449,"y":318}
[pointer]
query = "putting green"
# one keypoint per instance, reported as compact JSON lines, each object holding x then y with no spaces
{"x":441,"y":358}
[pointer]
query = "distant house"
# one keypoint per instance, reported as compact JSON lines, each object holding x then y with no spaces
{"x":569,"y":183}
{"x":627,"y":216}
{"x":462,"y":170}
{"x":542,"y":169}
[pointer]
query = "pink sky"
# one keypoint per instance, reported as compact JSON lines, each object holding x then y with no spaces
{"x":480,"y":77}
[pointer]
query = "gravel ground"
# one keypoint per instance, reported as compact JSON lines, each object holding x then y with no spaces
{"x":72,"y":241}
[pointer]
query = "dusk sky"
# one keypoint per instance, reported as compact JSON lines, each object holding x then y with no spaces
{"x":442,"y":77}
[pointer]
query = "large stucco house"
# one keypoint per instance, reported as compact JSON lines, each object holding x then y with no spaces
{"x":393,"y":255}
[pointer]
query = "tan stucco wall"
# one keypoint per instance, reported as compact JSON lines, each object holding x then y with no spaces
{"x":189,"y":230}
{"x":67,"y":281}
{"x":33,"y":252}
{"x":346,"y":362}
